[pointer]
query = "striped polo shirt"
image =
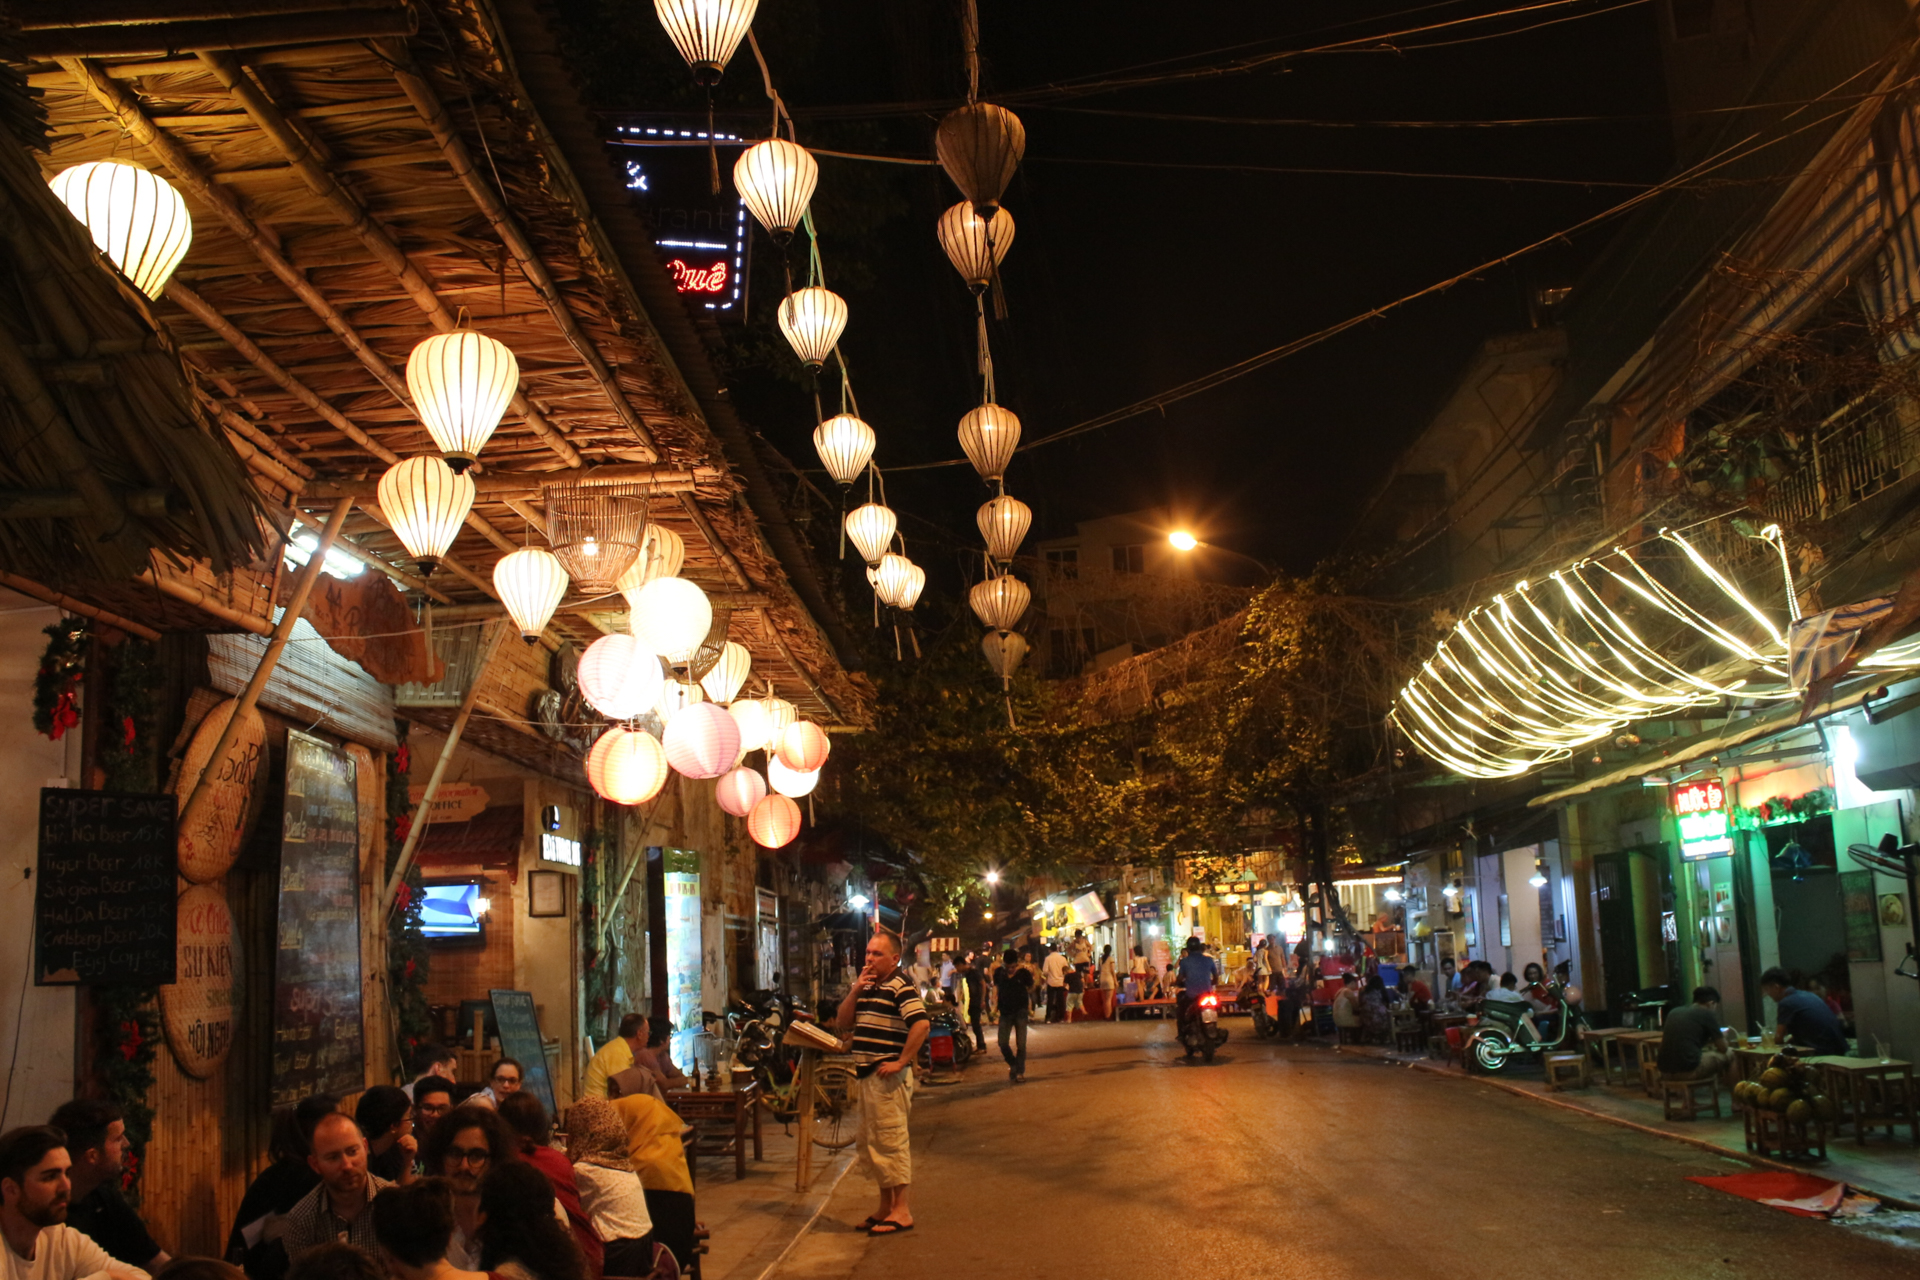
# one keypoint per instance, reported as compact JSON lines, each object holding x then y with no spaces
{"x":882,"y":1015}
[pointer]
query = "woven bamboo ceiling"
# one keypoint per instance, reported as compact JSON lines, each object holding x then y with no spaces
{"x":359,"y":176}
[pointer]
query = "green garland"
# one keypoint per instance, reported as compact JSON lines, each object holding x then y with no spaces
{"x":128,"y":1035}
{"x":127,"y":752}
{"x":1785,"y":809}
{"x":407,"y":957}
{"x":57,"y":683}
{"x":596,"y":965}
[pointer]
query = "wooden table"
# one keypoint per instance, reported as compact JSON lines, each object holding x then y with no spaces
{"x":740,"y":1106}
{"x":1613,"y":1058}
{"x":1870,"y":1093}
{"x":1749,"y":1060}
{"x":1646,"y":1047}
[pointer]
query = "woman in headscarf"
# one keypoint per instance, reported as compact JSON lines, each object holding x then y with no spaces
{"x":660,"y":1158}
{"x":609,"y":1188}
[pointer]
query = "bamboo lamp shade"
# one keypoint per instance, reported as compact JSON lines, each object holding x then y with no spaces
{"x":461,"y":383}
{"x":813,"y":320}
{"x":774,"y":822}
{"x":706,"y":32}
{"x":596,"y":531}
{"x":676,"y":696}
{"x":780,"y":714}
{"x":739,"y":790}
{"x":1005,"y":650}
{"x":136,"y":218}
{"x":845,"y":446}
{"x":791,"y":782}
{"x":980,"y":146}
{"x":626,"y":767}
{"x":1004,"y":522}
{"x":989,"y":435}
{"x":702,"y":741}
{"x":893,"y":578}
{"x":671,"y":616}
{"x":662,"y":552}
{"x":426,"y":504}
{"x":870,"y":528}
{"x":974,"y":245}
{"x":724,"y":678}
{"x":804,"y":746}
{"x":776,"y":179}
{"x":530,"y":583}
{"x":999,"y":601}
{"x":619,"y":678}
{"x":750,"y":714}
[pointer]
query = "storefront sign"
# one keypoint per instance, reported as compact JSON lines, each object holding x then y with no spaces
{"x":209,"y":845}
{"x":1088,"y":909}
{"x":453,"y":802}
{"x":1701,"y":808}
{"x":1144,"y":911}
{"x":103,"y":899}
{"x":198,"y":1009}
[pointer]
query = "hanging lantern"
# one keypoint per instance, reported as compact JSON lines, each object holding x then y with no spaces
{"x":596,"y":531}
{"x":974,"y":245}
{"x":723,"y":680}
{"x":780,"y":714}
{"x":702,"y":741}
{"x":870,"y":529}
{"x":813,"y":320}
{"x":662,"y":551}
{"x":908,"y":594}
{"x":676,"y":696}
{"x":671,"y":616}
{"x":776,"y":179}
{"x":461,"y":383}
{"x":980,"y":146}
{"x":791,"y":782}
{"x":1005,"y":650}
{"x":1004,"y":522}
{"x":750,"y":714}
{"x":891,"y":577}
{"x":706,"y":32}
{"x":136,"y":218}
{"x":739,"y":790}
{"x":530,"y":582}
{"x":426,"y":503}
{"x":804,"y":746}
{"x":999,"y":601}
{"x":774,"y":822}
{"x":619,"y":678}
{"x":626,"y":767}
{"x":989,"y":435}
{"x":845,"y":445}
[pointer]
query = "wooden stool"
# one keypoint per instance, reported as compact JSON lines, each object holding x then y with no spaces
{"x":1684,"y":1096}
{"x":1769,"y":1131}
{"x":1349,"y":1035}
{"x":1406,"y":1039}
{"x":1568,"y":1070}
{"x":1649,"y":1059}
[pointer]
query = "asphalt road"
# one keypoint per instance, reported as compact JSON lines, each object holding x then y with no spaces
{"x":1117,"y":1158}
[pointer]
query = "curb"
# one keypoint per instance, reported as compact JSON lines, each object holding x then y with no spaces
{"x":820,"y":1199}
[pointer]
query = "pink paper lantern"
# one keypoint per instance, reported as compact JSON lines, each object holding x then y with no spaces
{"x":702,"y":740}
{"x":627,"y":767}
{"x":620,"y":678}
{"x":803,"y":747}
{"x":740,"y":790}
{"x":774,"y":822}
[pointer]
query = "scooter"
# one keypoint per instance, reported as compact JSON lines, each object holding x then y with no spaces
{"x":1501,"y":1034}
{"x":1200,"y":1029}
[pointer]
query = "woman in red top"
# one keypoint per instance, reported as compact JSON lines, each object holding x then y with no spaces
{"x":524,"y":1115}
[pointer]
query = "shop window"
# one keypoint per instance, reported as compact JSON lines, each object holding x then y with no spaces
{"x":1063,"y":562}
{"x":1130,"y":559}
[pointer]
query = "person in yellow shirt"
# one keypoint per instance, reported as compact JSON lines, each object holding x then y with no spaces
{"x":660,"y":1159}
{"x":615,"y":1056}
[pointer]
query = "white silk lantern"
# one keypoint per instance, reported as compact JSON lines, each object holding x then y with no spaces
{"x":790,"y":782}
{"x":775,"y":179}
{"x":723,"y":680}
{"x":619,"y":678}
{"x":136,"y":218}
{"x":461,"y":383}
{"x":530,"y":583}
{"x":671,"y":616}
{"x":425,"y":503}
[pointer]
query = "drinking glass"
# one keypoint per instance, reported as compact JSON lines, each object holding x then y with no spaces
{"x":1886,"y":1052}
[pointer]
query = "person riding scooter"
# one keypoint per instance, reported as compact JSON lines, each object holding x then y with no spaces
{"x":1198,"y":973}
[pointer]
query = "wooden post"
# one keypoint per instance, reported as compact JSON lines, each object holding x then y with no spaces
{"x":275,"y":646}
{"x":633,"y":864}
{"x":803,"y":1159}
{"x":459,"y":727}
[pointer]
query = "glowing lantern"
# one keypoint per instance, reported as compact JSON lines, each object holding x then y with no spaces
{"x":813,"y":320}
{"x":791,"y":782}
{"x":870,"y":528}
{"x":619,"y":678}
{"x":780,"y":714}
{"x":676,"y":696}
{"x":738,"y":791}
{"x":461,"y":383}
{"x":999,"y":601}
{"x":627,"y":767}
{"x":135,"y":218}
{"x":706,"y":32}
{"x":671,"y":616}
{"x":804,"y":746}
{"x":776,"y":180}
{"x":426,"y":503}
{"x":892,"y":578}
{"x":908,"y":594}
{"x":845,"y":446}
{"x":1005,"y":650}
{"x":596,"y":531}
{"x":702,"y":741}
{"x":1004,"y":523}
{"x":750,"y":714}
{"x":774,"y":822}
{"x":989,"y":435}
{"x":662,"y":551}
{"x":530,"y":582}
{"x":974,"y":245}
{"x":980,"y":146}
{"x":723,"y":680}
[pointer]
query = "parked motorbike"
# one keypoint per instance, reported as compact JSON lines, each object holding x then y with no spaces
{"x":1255,"y":1001}
{"x":1200,"y":1029}
{"x":945,"y":1017}
{"x":1502,"y":1035}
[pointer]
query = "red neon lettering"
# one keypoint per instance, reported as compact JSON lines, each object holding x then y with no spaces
{"x":697,"y":280}
{"x":1700,"y":797}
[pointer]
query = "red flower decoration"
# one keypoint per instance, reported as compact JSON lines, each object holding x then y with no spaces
{"x":402,"y":825}
{"x":130,"y":1045}
{"x":403,"y":759}
{"x":126,"y":732}
{"x":408,"y":971}
{"x":65,"y":715}
{"x":404,"y":898}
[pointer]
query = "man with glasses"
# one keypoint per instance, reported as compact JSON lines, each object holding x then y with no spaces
{"x":432,"y":1099}
{"x":462,"y":1148}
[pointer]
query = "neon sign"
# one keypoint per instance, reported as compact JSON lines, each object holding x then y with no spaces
{"x":1701,"y":808}
{"x":709,"y":279}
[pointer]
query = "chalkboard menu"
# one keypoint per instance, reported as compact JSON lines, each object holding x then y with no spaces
{"x":520,"y":1040}
{"x":1860,"y":914}
{"x":104,"y":906}
{"x":317,"y":1046}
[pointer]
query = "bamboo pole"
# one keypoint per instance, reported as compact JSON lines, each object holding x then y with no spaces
{"x":32,"y":14}
{"x":186,"y":593}
{"x":492,"y":483}
{"x":243,"y":33}
{"x":302,"y":588}
{"x":28,"y":587}
{"x":803,"y":1103}
{"x":400,"y":868}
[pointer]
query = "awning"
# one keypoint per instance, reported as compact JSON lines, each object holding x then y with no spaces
{"x":491,"y":840}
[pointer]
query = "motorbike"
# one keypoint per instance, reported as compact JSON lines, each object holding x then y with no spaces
{"x":1200,"y":1029}
{"x":757,"y":1025}
{"x":1502,"y":1035}
{"x":945,"y":1017}
{"x":1255,"y":1000}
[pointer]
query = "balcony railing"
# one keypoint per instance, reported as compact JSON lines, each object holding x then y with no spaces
{"x":1858,"y":452}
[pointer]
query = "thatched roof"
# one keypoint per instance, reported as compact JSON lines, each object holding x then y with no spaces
{"x":354,"y":187}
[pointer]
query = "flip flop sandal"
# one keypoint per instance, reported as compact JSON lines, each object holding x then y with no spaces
{"x":888,"y":1227}
{"x":869,"y":1224}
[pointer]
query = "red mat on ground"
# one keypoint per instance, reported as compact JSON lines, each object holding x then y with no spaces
{"x":1798,"y":1193}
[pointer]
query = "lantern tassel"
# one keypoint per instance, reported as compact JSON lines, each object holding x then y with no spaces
{"x":713,"y":152}
{"x":897,"y":655}
{"x":993,"y":279}
{"x":913,"y":638}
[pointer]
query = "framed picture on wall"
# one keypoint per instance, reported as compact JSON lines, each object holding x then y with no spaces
{"x":546,"y":893}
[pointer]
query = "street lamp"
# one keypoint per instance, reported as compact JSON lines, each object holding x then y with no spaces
{"x":993,"y":877}
{"x":1182,"y":540}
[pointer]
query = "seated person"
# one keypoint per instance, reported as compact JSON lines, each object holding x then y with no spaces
{"x":660,"y":1159}
{"x":1346,"y":1004}
{"x":1533,"y":985}
{"x":609,"y":1188}
{"x":385,"y":1116}
{"x":1418,"y":996}
{"x":1803,"y":1016}
{"x":414,"y":1225}
{"x":1692,"y":1044}
{"x":1508,"y":993}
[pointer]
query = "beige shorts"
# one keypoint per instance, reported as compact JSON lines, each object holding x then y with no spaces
{"x":885,"y":1151}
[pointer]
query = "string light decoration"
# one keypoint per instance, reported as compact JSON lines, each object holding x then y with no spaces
{"x":973,"y":244}
{"x":1004,"y":522}
{"x":845,"y":445}
{"x":461,"y":383}
{"x":136,"y":218}
{"x":706,"y":32}
{"x":989,"y":435}
{"x":776,"y":179}
{"x":425,"y":502}
{"x":813,"y":319}
{"x":1543,"y":669}
{"x":530,"y":583}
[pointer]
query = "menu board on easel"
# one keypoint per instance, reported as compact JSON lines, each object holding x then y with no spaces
{"x":317,"y":1039}
{"x":520,"y":1039}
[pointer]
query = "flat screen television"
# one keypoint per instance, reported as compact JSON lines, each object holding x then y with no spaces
{"x":447,"y":912}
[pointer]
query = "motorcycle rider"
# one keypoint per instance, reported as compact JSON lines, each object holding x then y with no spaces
{"x":1198,"y":973}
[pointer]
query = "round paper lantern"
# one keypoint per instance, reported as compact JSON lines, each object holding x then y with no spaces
{"x":619,"y":678}
{"x":989,"y":435}
{"x":892,"y":578}
{"x":774,"y":822}
{"x":702,"y":741}
{"x":676,"y":696}
{"x":626,"y":767}
{"x":461,"y":383}
{"x":980,"y":146}
{"x":706,"y":32}
{"x":1004,"y":650}
{"x":1004,"y":522}
{"x":845,"y":446}
{"x":722,"y":682}
{"x":780,"y":714}
{"x":790,"y":782}
{"x":740,"y":790}
{"x":775,"y":179}
{"x":999,"y":601}
{"x":870,"y":529}
{"x":671,"y":616}
{"x":530,"y":582}
{"x":974,"y":245}
{"x":426,"y":503}
{"x":750,"y":716}
{"x":136,"y":218}
{"x":813,"y":320}
{"x":662,"y":551}
{"x":804,"y":746}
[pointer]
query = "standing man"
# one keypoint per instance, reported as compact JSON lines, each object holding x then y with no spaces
{"x":1054,"y":970}
{"x":888,"y":1024}
{"x":433,"y":1060}
{"x":34,"y":1192}
{"x":615,"y":1056}
{"x":336,"y":1210}
{"x":1013,"y":984}
{"x":97,"y":1145}
{"x":976,"y":997}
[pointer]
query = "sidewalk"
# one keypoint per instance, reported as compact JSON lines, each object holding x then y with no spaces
{"x":754,"y":1220}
